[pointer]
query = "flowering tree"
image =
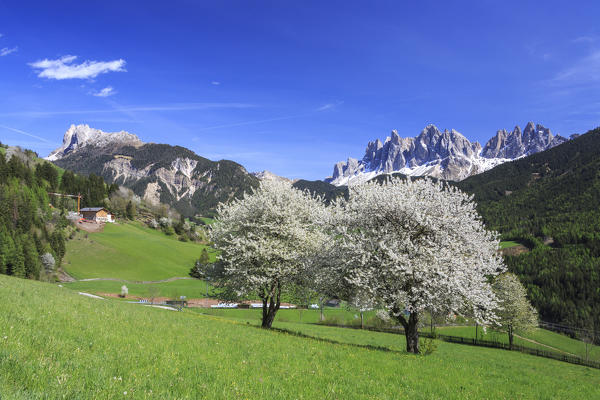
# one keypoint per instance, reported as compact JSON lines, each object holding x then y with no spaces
{"x":416,"y":246}
{"x":514,"y":311}
{"x":362,"y":303}
{"x":266,"y":241}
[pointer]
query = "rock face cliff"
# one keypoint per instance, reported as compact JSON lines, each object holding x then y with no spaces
{"x":78,"y":136}
{"x":157,"y":172}
{"x":442,"y":154}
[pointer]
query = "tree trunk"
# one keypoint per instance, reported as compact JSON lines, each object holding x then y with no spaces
{"x":321,"y":301}
{"x":271,"y":303}
{"x":362,"y":325}
{"x":411,"y":332}
{"x":510,"y":337}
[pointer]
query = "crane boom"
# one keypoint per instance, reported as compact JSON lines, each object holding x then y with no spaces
{"x":78,"y":196}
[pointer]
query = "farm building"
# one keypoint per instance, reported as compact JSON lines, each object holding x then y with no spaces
{"x":98,"y":214}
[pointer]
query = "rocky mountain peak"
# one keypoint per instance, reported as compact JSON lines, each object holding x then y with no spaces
{"x":443,"y":154}
{"x":78,"y":136}
{"x":269,"y":176}
{"x":533,"y":139}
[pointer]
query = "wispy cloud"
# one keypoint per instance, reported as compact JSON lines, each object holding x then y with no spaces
{"x":63,"y":68}
{"x":216,"y":83}
{"x":253,"y":122}
{"x":584,"y":39}
{"x":107,"y":91}
{"x":24,"y":133}
{"x":584,"y":70}
{"x":6,"y":51}
{"x":127,"y":109}
{"x":274,"y":119}
{"x":330,"y":106}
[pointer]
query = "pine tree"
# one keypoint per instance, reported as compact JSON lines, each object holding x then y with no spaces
{"x":18,"y":267}
{"x":130,"y":211}
{"x":31,"y":257}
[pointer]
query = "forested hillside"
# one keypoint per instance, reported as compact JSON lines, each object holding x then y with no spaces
{"x":327,"y":191}
{"x":550,"y":202}
{"x":33,"y":227}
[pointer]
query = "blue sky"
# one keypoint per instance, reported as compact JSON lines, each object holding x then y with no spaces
{"x":291,"y":86}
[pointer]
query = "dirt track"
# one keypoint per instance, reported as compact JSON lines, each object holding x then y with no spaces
{"x":91,"y":227}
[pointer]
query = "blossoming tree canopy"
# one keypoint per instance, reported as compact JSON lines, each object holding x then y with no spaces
{"x":514,"y":311}
{"x":416,"y":246}
{"x":266,"y":241}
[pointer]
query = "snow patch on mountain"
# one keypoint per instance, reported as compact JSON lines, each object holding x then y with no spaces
{"x":442,"y":154}
{"x":78,"y":136}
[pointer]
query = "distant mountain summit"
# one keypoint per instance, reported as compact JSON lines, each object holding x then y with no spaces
{"x":442,"y":154}
{"x":173,"y":175}
{"x":269,"y":176}
{"x":78,"y":136}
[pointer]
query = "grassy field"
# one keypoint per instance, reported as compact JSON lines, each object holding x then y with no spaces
{"x":192,"y":288}
{"x":207,"y":220}
{"x":55,"y":343}
{"x":507,"y":244}
{"x":348,"y":317}
{"x":542,"y":336}
{"x":129,"y":251}
{"x":339,"y":315}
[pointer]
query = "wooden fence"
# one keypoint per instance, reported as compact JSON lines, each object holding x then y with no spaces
{"x":486,"y":343}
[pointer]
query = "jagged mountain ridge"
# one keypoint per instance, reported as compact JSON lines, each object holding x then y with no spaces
{"x":269,"y":176}
{"x":78,"y":136}
{"x":173,"y":175}
{"x":447,"y":155}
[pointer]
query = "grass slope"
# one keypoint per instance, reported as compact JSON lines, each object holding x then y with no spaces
{"x":543,"y":337}
{"x":54,"y":343}
{"x":509,"y":243}
{"x":192,"y":288}
{"x":129,"y":251}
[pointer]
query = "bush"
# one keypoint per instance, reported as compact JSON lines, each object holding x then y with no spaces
{"x":427,"y":347}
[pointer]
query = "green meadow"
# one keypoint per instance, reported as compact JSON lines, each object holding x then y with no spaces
{"x":129,"y":251}
{"x":55,"y":343}
{"x":509,"y":243}
{"x":537,"y":339}
{"x":191,"y":288}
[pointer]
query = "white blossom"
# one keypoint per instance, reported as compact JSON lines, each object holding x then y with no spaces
{"x":514,"y":310}
{"x":266,"y":241}
{"x":417,"y":246}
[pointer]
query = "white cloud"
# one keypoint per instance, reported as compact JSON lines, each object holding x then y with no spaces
{"x":585,"y":70}
{"x":216,"y":83}
{"x":63,"y":68}
{"x":19,"y":131}
{"x":107,"y":91}
{"x":6,"y":51}
{"x":127,"y":109}
{"x":330,"y":106}
{"x":584,"y":39}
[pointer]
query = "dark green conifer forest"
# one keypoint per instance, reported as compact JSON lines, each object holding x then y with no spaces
{"x":33,"y":225}
{"x":550,"y":202}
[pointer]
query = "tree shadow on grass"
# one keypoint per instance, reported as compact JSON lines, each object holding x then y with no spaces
{"x":333,"y":341}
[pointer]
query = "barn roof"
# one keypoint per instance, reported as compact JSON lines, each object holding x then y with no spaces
{"x":96,"y":209}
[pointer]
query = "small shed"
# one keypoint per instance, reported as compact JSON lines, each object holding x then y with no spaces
{"x":98,"y":214}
